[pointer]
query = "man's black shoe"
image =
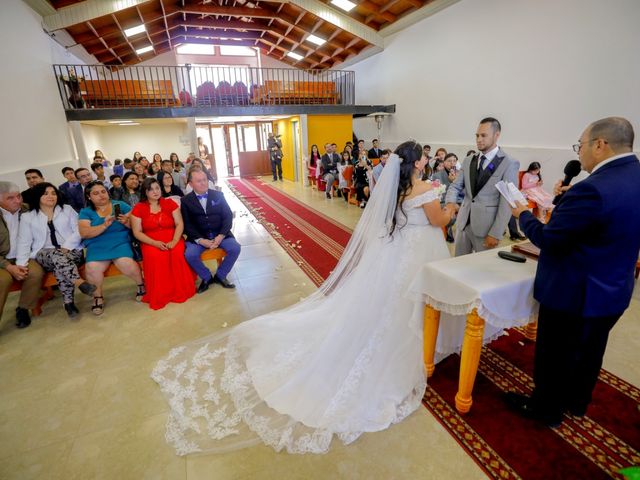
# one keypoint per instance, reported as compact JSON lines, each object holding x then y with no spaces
{"x":204,"y":285}
{"x":525,"y":407}
{"x":328,"y":195}
{"x":23,"y":320}
{"x":517,"y":237}
{"x":223,"y":281}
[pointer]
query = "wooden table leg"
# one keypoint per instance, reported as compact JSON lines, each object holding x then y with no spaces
{"x":430,"y":335}
{"x":531,"y":330}
{"x":470,"y":357}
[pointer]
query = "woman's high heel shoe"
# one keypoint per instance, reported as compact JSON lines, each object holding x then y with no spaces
{"x":98,"y":305}
{"x":141,"y":292}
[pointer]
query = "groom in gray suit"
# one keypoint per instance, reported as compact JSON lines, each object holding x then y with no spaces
{"x":484,"y":213}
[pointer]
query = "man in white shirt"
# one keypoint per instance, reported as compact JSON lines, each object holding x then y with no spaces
{"x":31,"y":276}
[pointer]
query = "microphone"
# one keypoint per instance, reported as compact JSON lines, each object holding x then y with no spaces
{"x":572,"y":169}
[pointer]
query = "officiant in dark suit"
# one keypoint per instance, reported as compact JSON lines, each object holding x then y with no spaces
{"x":585,"y":275}
{"x":207,"y":225}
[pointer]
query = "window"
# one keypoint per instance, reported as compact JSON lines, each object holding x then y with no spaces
{"x":196,"y":49}
{"x":237,"y":51}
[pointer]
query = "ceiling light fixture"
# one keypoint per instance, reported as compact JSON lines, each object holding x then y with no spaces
{"x":295,"y":55}
{"x":120,"y":121}
{"x":345,"y":5}
{"x":130,"y":32}
{"x":317,"y":40}
{"x":142,"y":50}
{"x":128,"y":124}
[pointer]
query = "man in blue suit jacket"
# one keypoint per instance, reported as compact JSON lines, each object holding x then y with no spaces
{"x":207,"y":225}
{"x":585,"y":276}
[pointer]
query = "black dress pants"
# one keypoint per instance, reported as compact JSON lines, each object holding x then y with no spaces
{"x":276,"y":168}
{"x":568,"y":358}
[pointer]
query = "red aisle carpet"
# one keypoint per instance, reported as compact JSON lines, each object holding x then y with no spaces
{"x":505,"y":445}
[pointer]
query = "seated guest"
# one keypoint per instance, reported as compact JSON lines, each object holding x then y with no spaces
{"x":72,"y":181}
{"x":167,"y":165}
{"x":361,"y":179}
{"x":76,"y":193}
{"x":157,"y":223}
{"x":130,"y":193}
{"x":31,"y":276}
{"x":153,"y":169}
{"x":168,"y":188}
{"x":207,"y":224}
{"x":532,"y":190}
{"x":343,"y":185}
{"x":33,"y":176}
{"x":118,"y":169}
{"x":98,"y":171}
{"x":196,"y":164}
{"x":330,"y":162}
{"x":144,"y":162}
{"x":445,"y":176}
{"x":179,"y":175}
{"x":445,"y":171}
{"x":377,"y":170}
{"x":375,"y":151}
{"x":116,"y":186}
{"x":49,"y":234}
{"x":106,"y":235}
{"x":128,"y":164}
{"x":141,"y":170}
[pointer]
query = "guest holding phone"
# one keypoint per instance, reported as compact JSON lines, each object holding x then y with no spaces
{"x":104,"y":227}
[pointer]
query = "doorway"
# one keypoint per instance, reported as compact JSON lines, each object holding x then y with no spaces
{"x":295,"y":131}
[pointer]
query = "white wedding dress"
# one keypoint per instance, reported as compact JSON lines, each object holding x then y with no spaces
{"x":346,"y":360}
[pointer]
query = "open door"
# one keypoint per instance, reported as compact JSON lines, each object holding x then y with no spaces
{"x":253,"y":156}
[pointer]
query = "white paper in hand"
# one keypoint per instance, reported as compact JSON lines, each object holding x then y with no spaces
{"x":511,"y":193}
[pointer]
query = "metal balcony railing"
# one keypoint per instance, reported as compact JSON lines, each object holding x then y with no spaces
{"x":103,"y":86}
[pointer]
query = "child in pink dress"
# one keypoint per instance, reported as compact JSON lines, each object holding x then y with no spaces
{"x":532,"y":190}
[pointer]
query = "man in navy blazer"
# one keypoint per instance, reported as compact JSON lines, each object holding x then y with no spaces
{"x":585,"y":275}
{"x":207,"y":225}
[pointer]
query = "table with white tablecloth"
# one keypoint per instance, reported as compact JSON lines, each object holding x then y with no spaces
{"x":469,"y":301}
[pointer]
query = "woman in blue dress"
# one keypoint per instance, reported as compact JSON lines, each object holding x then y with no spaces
{"x":104,"y":227}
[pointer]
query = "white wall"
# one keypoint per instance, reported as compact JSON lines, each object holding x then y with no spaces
{"x":33,"y":127}
{"x":120,"y":142}
{"x":545,"y":69}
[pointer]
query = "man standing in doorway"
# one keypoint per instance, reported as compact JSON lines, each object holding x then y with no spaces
{"x":274,"y":145}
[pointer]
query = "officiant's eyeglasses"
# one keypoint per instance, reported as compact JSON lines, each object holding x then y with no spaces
{"x":576,"y":147}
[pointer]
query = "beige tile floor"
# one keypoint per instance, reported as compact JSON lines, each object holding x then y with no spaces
{"x":77,"y":400}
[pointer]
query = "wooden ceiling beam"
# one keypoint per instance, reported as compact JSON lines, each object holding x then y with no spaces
{"x":177,"y":39}
{"x":374,"y":9}
{"x":209,"y":33}
{"x":213,"y":23}
{"x":133,"y":49}
{"x":213,"y":9}
{"x":103,"y":42}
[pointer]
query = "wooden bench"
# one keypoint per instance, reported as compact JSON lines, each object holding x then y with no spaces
{"x":49,"y":280}
{"x":127,"y":93}
{"x":282,"y":92}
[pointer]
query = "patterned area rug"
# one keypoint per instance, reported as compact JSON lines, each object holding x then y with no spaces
{"x":503,"y":444}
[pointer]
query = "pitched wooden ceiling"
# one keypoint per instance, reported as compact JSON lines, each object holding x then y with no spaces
{"x":275,"y":27}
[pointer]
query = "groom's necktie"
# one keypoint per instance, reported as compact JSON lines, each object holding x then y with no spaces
{"x":481,"y":165}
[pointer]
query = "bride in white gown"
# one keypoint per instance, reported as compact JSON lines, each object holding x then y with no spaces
{"x":346,"y":360}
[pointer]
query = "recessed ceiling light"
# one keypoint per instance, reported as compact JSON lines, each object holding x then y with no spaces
{"x":345,"y":5}
{"x":316,"y":40}
{"x":295,"y":55}
{"x":128,"y":124}
{"x":130,"y":32}
{"x":120,"y":121}
{"x":142,"y":50}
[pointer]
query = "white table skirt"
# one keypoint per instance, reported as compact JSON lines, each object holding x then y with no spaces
{"x":500,"y":290}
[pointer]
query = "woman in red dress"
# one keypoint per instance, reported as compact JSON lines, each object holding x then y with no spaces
{"x":157,"y":223}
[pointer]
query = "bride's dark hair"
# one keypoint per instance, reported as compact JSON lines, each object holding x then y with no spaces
{"x":409,"y":153}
